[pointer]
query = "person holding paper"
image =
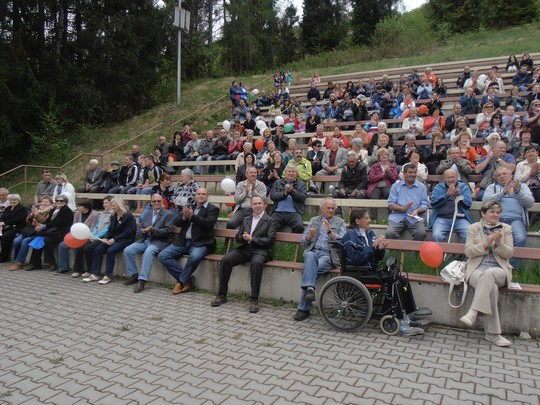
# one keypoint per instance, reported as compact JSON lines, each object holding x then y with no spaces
{"x":407,"y":203}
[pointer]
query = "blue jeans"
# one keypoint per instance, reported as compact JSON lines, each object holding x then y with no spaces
{"x":220,"y":169}
{"x":23,"y":251}
{"x":442,"y":226}
{"x":148,"y":252}
{"x":63,"y":257}
{"x":519,"y":233}
{"x":110,"y":251}
{"x":316,"y":262}
{"x":198,"y":169}
{"x":169,"y":258}
{"x":17,"y":242}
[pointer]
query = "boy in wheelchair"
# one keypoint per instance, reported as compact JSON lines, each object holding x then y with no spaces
{"x":361,"y":254}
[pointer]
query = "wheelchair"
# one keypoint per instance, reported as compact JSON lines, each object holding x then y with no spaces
{"x":347,"y":302}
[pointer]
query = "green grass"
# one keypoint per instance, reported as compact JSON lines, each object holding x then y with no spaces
{"x":205,"y":102}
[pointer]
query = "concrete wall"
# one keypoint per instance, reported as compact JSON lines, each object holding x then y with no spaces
{"x":518,"y":311}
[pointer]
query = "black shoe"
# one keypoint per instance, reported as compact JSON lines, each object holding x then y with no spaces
{"x":310,"y":295}
{"x":219,"y":301}
{"x":301,"y":315}
{"x":254,"y":306}
{"x":53,"y":267}
{"x":139,"y":287}
{"x":60,"y":272}
{"x":32,"y":267}
{"x":133,"y":280}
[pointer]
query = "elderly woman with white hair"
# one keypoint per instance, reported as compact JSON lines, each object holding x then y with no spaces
{"x":92,"y":178}
{"x":357,"y":146}
{"x":63,"y":186}
{"x":12,"y":220}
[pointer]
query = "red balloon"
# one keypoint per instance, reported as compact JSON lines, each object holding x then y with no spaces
{"x":431,"y":254}
{"x":73,"y":242}
{"x":423,"y":109}
{"x":259,"y":144}
{"x":230,"y":205}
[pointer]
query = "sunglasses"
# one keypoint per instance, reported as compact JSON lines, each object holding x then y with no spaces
{"x":156,"y":201}
{"x":60,"y":201}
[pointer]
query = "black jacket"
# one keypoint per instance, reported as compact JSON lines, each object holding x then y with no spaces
{"x":299,"y":195}
{"x":354,"y":179}
{"x":59,"y":225}
{"x":264,"y":235}
{"x":122,"y":230}
{"x":202,"y":230}
{"x":14,"y":218}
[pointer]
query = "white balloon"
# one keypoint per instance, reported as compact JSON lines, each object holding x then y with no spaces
{"x":279,"y":120}
{"x":80,"y":231}
{"x":259,"y":118}
{"x":226,"y":125}
{"x":261,"y":125}
{"x":228,"y":185}
{"x":255,"y":91}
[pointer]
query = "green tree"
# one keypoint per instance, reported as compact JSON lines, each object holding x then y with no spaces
{"x":249,"y":34}
{"x":459,"y":15}
{"x":505,"y":13}
{"x":366,"y":14}
{"x":288,"y":40}
{"x":322,"y":25}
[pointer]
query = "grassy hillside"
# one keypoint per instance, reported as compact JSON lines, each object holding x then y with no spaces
{"x":206,"y":102}
{"x":197,"y":95}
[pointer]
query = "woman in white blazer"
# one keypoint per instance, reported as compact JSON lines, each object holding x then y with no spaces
{"x":489,"y":247}
{"x":64,"y":187}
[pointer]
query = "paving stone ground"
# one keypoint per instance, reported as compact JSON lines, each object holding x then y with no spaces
{"x":63,"y":342}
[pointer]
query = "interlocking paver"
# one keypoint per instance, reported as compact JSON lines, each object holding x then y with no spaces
{"x":51,"y":353}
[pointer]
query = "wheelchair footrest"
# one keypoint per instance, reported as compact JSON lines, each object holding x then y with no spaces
{"x":420,"y":323}
{"x":421,"y":312}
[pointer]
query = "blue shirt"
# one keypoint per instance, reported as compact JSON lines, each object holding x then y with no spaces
{"x":401,"y":194}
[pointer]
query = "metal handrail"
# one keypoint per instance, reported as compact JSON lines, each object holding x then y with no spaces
{"x":101,"y":156}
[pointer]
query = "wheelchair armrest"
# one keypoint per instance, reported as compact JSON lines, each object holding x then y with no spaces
{"x":358,"y":269}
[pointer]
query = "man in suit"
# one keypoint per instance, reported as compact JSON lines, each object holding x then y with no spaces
{"x":196,"y":238}
{"x":257,"y":236}
{"x":156,"y":230}
{"x":92,"y":179}
{"x":335,"y":158}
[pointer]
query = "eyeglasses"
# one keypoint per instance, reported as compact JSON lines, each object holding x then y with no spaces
{"x":156,"y":201}
{"x":60,"y":201}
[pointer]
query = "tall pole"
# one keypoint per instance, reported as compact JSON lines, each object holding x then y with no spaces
{"x":178,"y":65}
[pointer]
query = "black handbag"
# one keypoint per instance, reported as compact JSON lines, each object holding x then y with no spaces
{"x":28,"y":230}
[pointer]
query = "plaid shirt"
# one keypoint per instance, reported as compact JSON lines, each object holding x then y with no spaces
{"x":187,"y":190}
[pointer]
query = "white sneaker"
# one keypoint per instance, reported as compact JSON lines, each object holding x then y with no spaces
{"x":498,"y":340}
{"x":75,"y":275}
{"x":105,"y":280}
{"x":90,"y":278}
{"x":87,"y":274}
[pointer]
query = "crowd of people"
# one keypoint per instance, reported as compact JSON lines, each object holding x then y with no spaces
{"x":272,"y":166}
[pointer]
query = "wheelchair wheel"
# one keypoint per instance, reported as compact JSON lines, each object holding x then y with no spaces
{"x":389,"y":325}
{"x":345,"y":303}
